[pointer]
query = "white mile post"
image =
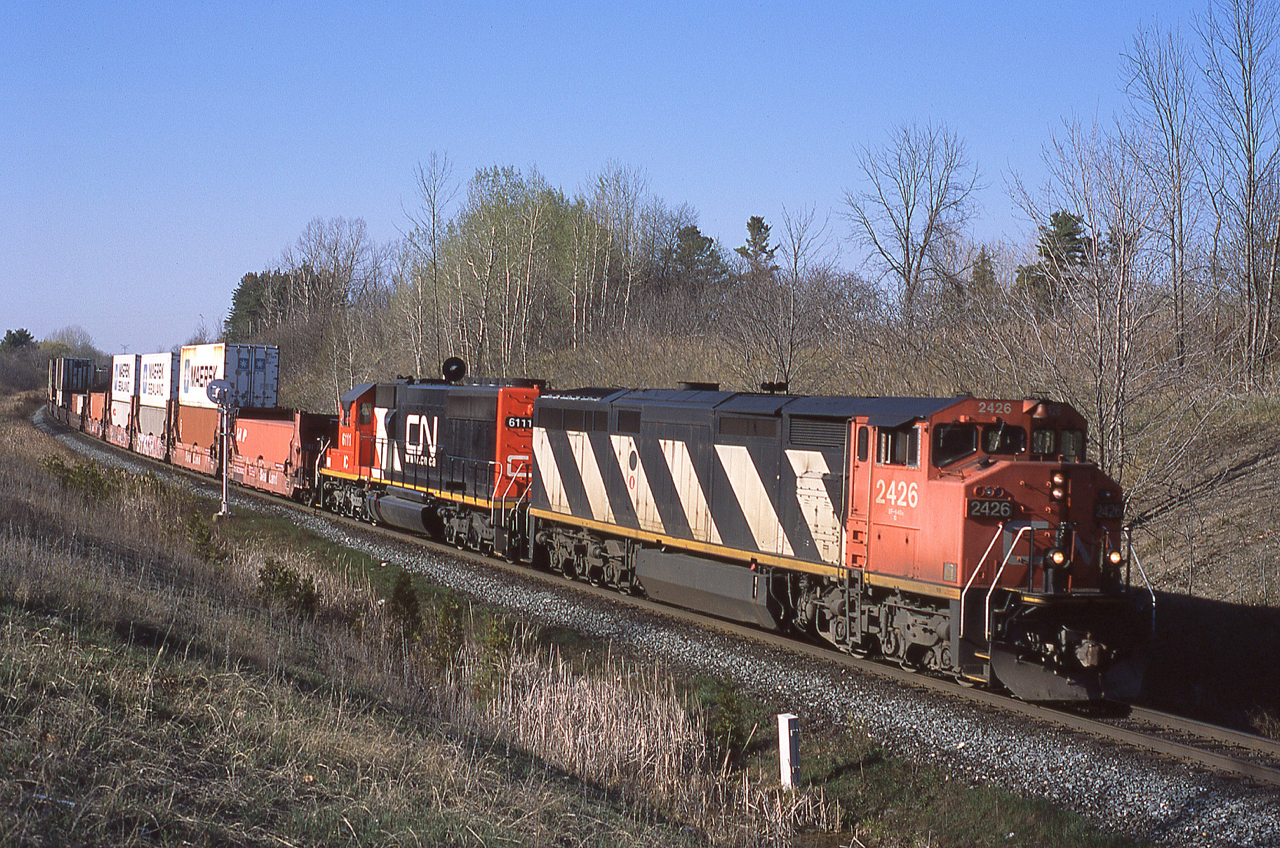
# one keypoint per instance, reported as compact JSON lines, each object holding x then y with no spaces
{"x":788,"y":744}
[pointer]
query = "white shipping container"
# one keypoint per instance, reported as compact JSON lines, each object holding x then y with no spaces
{"x":253,"y":371}
{"x":124,"y":376}
{"x":159,"y":381}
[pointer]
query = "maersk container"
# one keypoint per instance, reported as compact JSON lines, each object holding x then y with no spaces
{"x":253,"y":372}
{"x":159,"y":381}
{"x":124,"y":376}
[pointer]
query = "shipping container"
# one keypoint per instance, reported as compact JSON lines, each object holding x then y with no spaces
{"x":153,"y":435}
{"x":77,"y":375}
{"x":96,"y":423}
{"x":158,"y":384}
{"x":75,"y":415}
{"x":121,"y":421}
{"x":68,"y":377}
{"x":124,"y":376}
{"x":273,"y":449}
{"x":253,"y":372}
{"x":195,"y":439}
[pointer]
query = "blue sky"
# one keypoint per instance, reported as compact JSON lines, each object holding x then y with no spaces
{"x":152,"y":154}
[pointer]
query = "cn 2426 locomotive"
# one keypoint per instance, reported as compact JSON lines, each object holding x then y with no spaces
{"x":965,"y":536}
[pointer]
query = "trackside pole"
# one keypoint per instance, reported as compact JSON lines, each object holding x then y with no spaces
{"x":788,"y":745}
{"x":219,"y":393}
{"x":225,"y":416}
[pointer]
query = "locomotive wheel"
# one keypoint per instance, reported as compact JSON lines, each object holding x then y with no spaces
{"x":911,"y":659}
{"x":890,"y":644}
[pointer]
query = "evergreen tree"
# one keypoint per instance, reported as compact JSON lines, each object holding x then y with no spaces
{"x":757,"y":250}
{"x":17,"y":339}
{"x":983,"y":286}
{"x":697,"y":264}
{"x":1064,"y":249}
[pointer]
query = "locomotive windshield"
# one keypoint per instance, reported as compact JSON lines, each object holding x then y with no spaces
{"x":1044,"y":442}
{"x":953,"y":442}
{"x":1004,"y":438}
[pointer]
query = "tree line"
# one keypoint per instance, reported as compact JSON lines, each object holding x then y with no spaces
{"x":1146,"y":297}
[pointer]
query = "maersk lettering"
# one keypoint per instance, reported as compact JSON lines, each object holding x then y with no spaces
{"x":203,"y":375}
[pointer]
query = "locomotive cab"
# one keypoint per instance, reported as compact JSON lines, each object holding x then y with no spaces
{"x":1036,"y":555}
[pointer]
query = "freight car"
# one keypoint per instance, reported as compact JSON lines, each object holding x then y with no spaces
{"x":969,"y":537}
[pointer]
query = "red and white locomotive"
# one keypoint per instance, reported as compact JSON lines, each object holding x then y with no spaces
{"x":970,"y":537}
{"x":966,"y":536}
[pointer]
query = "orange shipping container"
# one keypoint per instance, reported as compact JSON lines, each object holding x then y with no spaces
{"x":195,"y":439}
{"x":96,"y":424}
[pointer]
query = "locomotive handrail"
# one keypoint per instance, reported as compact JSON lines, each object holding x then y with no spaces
{"x":976,"y":571}
{"x":1133,"y":555}
{"x":986,"y":622}
{"x":1084,"y":549}
{"x":511,"y":482}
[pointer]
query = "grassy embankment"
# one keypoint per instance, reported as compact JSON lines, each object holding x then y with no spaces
{"x":164,"y":680}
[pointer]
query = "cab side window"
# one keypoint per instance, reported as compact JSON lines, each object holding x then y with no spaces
{"x":1073,"y":446}
{"x":366,"y":412}
{"x":899,"y":446}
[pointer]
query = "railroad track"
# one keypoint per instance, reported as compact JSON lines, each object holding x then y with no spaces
{"x":1197,"y":743}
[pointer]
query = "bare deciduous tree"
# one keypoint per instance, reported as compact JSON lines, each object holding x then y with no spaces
{"x":1241,"y":72}
{"x":1103,"y":351}
{"x":339,"y":277}
{"x":1161,"y":83}
{"x":424,"y":319}
{"x":918,"y":189}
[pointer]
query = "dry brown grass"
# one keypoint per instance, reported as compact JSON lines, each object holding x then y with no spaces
{"x":630,"y":731}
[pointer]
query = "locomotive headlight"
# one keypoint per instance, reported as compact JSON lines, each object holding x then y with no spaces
{"x":1058,"y":493}
{"x":1059,"y":479}
{"x":1056,"y":556}
{"x":1115,"y":557}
